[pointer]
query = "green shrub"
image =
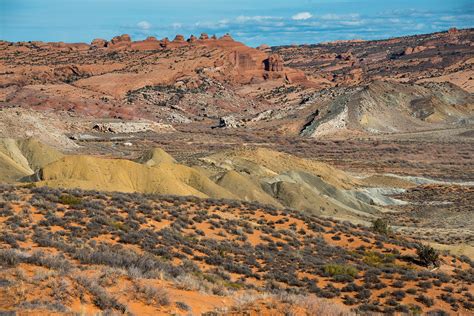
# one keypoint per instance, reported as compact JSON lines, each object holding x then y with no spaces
{"x":427,"y":255}
{"x":381,"y":226}
{"x":69,"y":200}
{"x":376,"y":259}
{"x":339,"y":269}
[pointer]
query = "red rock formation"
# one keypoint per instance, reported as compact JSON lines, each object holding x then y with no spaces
{"x":274,"y":63}
{"x":99,"y":43}
{"x":264,"y":48}
{"x":453,"y":30}
{"x":204,"y":36}
{"x":165,"y":42}
{"x":417,"y":49}
{"x":151,"y":39}
{"x":124,"y":38}
{"x":192,"y":39}
{"x":214,"y":37}
{"x":226,"y":37}
{"x":179,"y":39}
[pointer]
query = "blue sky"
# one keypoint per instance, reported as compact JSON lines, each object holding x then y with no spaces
{"x":273,"y":22}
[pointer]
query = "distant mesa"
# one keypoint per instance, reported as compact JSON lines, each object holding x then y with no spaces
{"x":151,"y":39}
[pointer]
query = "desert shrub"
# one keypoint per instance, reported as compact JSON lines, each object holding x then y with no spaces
{"x":47,"y":305}
{"x":427,"y":255}
{"x":411,"y":291}
{"x":183,"y":306}
{"x":9,"y":258}
{"x":425,"y":300}
{"x":152,"y":294}
{"x":56,"y":262}
{"x":69,"y":200}
{"x":61,"y":290}
{"x":188,"y":282}
{"x":437,"y":312}
{"x":376,"y":259}
{"x":339,"y":269}
{"x":381,"y":226}
{"x":101,"y":297}
{"x":425,"y":285}
{"x":398,"y":295}
{"x":363,"y":294}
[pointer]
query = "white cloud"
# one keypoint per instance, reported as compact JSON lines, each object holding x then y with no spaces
{"x":302,"y":16}
{"x":257,"y":18}
{"x":144,"y":25}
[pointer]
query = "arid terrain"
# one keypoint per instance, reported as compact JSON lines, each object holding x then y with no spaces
{"x":202,"y":176}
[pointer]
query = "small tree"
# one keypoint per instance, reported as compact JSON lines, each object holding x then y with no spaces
{"x":427,"y":255}
{"x":381,"y":226}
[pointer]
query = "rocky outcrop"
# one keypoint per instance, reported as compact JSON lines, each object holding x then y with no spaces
{"x":99,"y":43}
{"x":119,"y":42}
{"x":274,"y":63}
{"x":229,"y":122}
{"x":131,"y":127}
{"x":226,"y":37}
{"x":179,"y":39}
{"x":453,"y":31}
{"x":124,"y":38}
{"x":192,"y":39}
{"x":417,"y":49}
{"x":204,"y":37}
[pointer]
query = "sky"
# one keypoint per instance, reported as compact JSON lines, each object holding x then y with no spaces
{"x":254,"y":22}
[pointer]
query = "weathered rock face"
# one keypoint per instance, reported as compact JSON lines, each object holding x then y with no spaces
{"x":274,"y":63}
{"x":99,"y":43}
{"x":229,"y":122}
{"x":204,"y":36}
{"x":192,"y":39}
{"x":179,"y":39}
{"x":417,"y":49}
{"x":120,"y":42}
{"x":264,"y":48}
{"x":124,"y":38}
{"x":243,"y":61}
{"x":226,"y":37}
{"x":165,"y":42}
